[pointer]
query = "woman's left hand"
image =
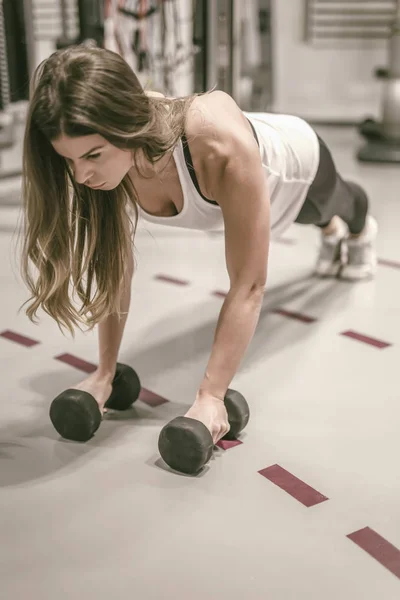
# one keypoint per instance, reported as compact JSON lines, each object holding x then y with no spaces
{"x":211,"y":411}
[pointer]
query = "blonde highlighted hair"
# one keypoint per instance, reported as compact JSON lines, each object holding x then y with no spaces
{"x":79,"y":240}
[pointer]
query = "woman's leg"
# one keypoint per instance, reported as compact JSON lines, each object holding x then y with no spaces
{"x":329,"y":195}
{"x":328,"y":198}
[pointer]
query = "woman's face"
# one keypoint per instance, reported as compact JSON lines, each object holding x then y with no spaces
{"x":94,"y":161}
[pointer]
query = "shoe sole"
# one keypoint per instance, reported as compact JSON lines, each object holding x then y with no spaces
{"x":357,"y":277}
{"x":332,"y":271}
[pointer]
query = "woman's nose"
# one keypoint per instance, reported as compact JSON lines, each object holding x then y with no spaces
{"x":82,"y":174}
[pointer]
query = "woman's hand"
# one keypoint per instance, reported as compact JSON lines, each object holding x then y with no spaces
{"x":99,"y":386}
{"x":211,"y":411}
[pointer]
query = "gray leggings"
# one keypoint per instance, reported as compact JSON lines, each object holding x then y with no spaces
{"x":330,"y":195}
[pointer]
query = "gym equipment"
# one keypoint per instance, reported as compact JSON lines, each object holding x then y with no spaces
{"x":17,"y":61}
{"x":75,"y":414}
{"x":7,"y":131}
{"x":383,"y":139}
{"x":91,"y":23}
{"x":186,"y":444}
{"x":19,"y":47}
{"x":233,"y":43}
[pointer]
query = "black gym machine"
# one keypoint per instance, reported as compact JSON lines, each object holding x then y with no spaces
{"x":91,"y":23}
{"x":383,"y":138}
{"x":17,"y":61}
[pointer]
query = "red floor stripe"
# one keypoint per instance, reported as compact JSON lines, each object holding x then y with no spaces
{"x":145,"y":396}
{"x":19,"y":339}
{"x":389,"y":263}
{"x":171,"y":280}
{"x":365,"y":339}
{"x":228,"y":444}
{"x":150,"y":398}
{"x":76,"y":362}
{"x":219,"y":294}
{"x":293,"y":486}
{"x":294,"y":315}
{"x":379,"y":548}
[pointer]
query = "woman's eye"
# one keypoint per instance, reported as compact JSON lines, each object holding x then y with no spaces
{"x":94,"y":156}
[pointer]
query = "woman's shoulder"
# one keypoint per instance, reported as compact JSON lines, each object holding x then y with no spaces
{"x":214,"y":112}
{"x":216,"y":127}
{"x":219,"y":136}
{"x":211,"y":114}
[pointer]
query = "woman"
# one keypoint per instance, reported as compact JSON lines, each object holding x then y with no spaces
{"x":98,"y":148}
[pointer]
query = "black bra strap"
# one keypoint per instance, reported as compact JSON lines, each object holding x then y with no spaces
{"x":189,"y":163}
{"x":254,"y":132}
{"x":190,"y":167}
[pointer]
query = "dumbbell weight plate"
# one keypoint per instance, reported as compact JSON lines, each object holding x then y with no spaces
{"x":126,"y":388}
{"x":75,"y":414}
{"x":186,"y":445}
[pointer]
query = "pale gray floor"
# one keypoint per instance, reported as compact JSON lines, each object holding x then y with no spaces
{"x":106,"y":519}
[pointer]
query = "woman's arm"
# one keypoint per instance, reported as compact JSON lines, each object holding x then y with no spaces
{"x":110,"y":331}
{"x":112,"y":328}
{"x":245,"y":203}
{"x":232,"y":174}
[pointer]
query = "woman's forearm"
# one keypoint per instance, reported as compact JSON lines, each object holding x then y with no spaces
{"x":110,"y":332}
{"x":235,"y":329}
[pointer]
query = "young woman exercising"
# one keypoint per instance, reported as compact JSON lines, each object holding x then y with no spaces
{"x":100,"y":152}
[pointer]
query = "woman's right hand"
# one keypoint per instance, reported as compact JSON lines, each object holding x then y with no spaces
{"x":99,"y":386}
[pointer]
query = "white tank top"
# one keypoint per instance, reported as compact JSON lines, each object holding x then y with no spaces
{"x":289,"y":151}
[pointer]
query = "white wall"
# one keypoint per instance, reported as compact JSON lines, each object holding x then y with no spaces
{"x":322,"y":83}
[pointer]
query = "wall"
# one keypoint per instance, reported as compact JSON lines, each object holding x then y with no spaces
{"x":324,"y":82}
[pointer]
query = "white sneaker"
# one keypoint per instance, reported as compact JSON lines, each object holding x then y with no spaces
{"x":330,"y":260}
{"x":361,"y":254}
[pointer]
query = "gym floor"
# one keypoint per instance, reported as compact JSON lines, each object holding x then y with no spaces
{"x":304,"y":506}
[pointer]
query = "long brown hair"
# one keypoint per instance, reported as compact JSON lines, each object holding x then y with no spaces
{"x":77,"y":239}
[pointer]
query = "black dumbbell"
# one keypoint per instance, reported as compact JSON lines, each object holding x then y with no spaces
{"x":76,"y":415}
{"x":186,"y":445}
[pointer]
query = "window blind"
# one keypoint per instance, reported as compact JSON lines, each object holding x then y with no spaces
{"x":48,"y":19}
{"x":337,"y":20}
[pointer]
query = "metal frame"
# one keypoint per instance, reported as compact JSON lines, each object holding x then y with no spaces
{"x":383,"y":139}
{"x":8,"y":117}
